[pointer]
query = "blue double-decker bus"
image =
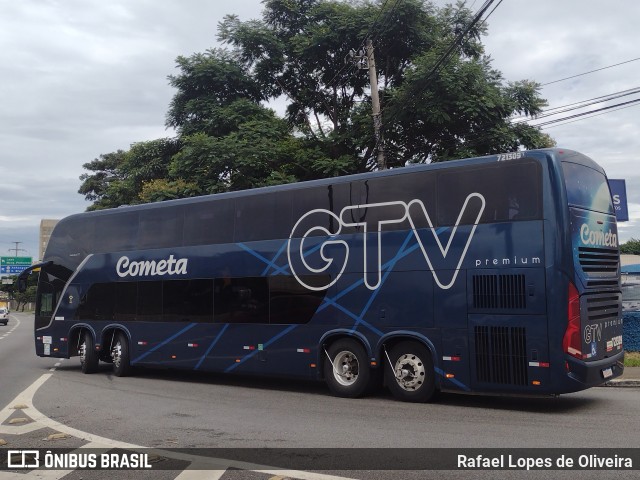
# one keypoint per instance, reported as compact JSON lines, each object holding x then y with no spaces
{"x":497,"y":274}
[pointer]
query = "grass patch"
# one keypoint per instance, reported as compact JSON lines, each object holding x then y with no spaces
{"x":632,"y":359}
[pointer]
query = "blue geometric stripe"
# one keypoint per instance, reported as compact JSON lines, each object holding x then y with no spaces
{"x":215,"y":340}
{"x":453,"y":380}
{"x":148,"y":352}
{"x":264,"y":346}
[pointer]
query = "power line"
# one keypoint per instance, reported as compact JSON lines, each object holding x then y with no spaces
{"x":581,"y":104}
{"x":600,"y":98}
{"x":589,"y":116}
{"x":577,"y":115}
{"x":456,"y":42}
{"x":491,"y":12}
{"x":591,"y":71}
{"x":471,"y":140}
{"x":449,"y":51}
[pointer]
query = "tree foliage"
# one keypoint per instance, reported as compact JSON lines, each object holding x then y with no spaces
{"x":21,"y":298}
{"x":301,"y":54}
{"x":632,"y":247}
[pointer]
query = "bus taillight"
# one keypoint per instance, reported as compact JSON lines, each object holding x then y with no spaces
{"x":572,"y":343}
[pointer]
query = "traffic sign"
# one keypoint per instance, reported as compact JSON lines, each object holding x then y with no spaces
{"x":14,"y":265}
{"x":619,"y":195}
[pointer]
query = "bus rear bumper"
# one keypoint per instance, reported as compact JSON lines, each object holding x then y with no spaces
{"x":592,"y":374}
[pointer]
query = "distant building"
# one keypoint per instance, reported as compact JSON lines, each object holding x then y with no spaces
{"x":630,"y":264}
{"x":46,"y":227}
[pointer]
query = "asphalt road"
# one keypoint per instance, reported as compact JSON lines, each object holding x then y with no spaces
{"x":171,"y":409}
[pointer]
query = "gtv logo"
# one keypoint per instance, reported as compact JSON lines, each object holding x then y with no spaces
{"x":311,"y":225}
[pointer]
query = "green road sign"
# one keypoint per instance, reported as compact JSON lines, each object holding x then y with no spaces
{"x":14,"y":265}
{"x":15,"y":261}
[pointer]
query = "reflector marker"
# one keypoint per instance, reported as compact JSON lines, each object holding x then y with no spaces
{"x":192,"y":345}
{"x":249,"y":347}
{"x":539,"y":364}
{"x":451,"y":359}
{"x":573,"y":351}
{"x":303,"y":350}
{"x":63,"y":339}
{"x":142,"y":343}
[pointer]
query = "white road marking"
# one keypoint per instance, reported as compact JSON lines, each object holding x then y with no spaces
{"x":207,"y":468}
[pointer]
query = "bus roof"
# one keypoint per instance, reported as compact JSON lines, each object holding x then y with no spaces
{"x":560,"y":154}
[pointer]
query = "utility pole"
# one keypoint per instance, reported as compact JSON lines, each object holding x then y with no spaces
{"x":375,"y":104}
{"x":365,"y":60}
{"x":16,"y":249}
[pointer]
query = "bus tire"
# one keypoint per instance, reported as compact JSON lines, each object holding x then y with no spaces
{"x":410,"y":374}
{"x":120,"y":356}
{"x":88,"y":356}
{"x":347,"y":371}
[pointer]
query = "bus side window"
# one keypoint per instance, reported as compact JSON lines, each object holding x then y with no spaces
{"x":513,"y":206}
{"x":510,"y":191}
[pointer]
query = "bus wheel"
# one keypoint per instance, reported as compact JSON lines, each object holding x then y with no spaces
{"x":346,"y":369}
{"x":409,"y":372}
{"x":120,"y":356}
{"x":88,"y":356}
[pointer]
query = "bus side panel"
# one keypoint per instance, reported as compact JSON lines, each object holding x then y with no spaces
{"x":450,"y":312}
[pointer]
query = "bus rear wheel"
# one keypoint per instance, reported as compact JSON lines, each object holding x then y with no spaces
{"x":409,"y":372}
{"x":346,"y":370}
{"x":88,"y":356}
{"x":120,"y":355}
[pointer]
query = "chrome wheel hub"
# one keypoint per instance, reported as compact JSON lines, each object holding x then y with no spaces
{"x":410,"y":372}
{"x":345,"y":368}
{"x":116,"y":354}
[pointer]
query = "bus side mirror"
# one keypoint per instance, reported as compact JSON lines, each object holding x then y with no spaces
{"x":22,"y":284}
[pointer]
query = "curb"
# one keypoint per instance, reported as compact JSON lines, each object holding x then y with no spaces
{"x":622,"y":383}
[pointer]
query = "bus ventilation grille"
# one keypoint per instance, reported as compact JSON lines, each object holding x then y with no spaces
{"x":499,"y":291}
{"x":604,"y":308}
{"x":599,"y":262}
{"x":501,"y":355}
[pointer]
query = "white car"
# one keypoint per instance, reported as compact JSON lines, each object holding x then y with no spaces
{"x":4,"y":315}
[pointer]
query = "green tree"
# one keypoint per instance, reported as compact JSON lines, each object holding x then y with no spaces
{"x":461,"y":109}
{"x":99,"y":187}
{"x":120,"y":176}
{"x":632,"y":247}
{"x":301,"y":53}
{"x":23,"y":298}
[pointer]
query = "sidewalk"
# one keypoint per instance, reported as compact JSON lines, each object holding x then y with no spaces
{"x":630,"y":378}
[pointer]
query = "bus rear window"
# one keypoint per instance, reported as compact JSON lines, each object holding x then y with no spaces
{"x":587,"y":188}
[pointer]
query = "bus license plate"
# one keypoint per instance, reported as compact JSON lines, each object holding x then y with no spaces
{"x":607,"y":372}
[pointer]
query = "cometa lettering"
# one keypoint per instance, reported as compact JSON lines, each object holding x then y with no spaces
{"x":598,"y":238}
{"x":151,"y":268}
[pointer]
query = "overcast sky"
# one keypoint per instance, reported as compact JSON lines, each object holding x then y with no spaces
{"x":86,"y":77}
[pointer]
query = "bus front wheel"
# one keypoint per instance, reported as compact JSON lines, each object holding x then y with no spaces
{"x":409,"y":372}
{"x":88,"y":355}
{"x":346,"y":370}
{"x":120,"y":356}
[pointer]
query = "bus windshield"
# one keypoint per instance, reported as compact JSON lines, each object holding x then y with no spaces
{"x":587,"y":188}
